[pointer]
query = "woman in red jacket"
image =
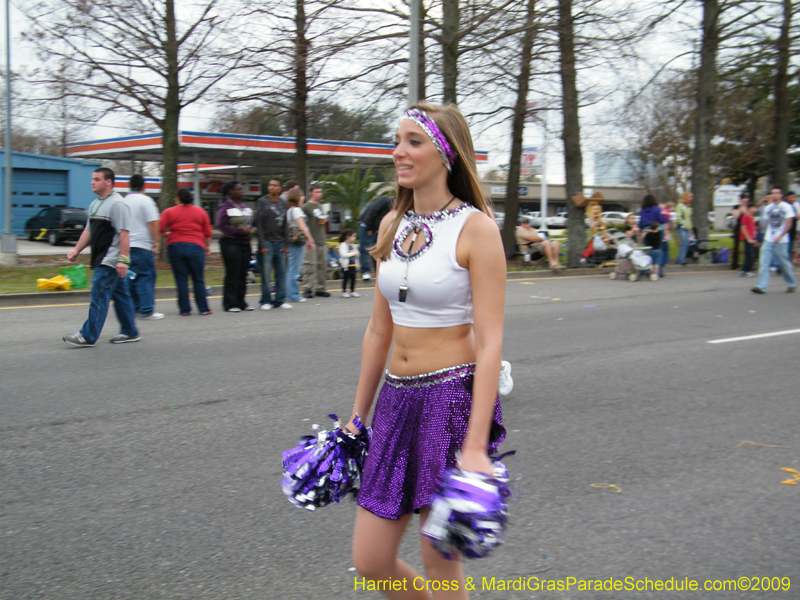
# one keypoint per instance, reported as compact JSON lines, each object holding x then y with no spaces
{"x":188,"y":231}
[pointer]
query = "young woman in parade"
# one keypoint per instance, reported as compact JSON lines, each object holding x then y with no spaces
{"x":439,"y":307}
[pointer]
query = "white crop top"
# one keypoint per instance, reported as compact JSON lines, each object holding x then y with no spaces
{"x":439,"y":289}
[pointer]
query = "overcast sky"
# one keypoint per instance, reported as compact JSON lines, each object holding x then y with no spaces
{"x":597,"y":136}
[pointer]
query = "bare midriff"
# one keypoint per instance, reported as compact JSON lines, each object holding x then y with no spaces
{"x":416,"y":351}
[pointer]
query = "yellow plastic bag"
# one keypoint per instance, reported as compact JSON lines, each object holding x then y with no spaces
{"x":59,"y":282}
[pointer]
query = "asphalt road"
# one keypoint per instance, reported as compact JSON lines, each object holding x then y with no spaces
{"x":151,"y":470}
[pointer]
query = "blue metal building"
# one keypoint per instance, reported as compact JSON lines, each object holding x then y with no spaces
{"x":41,"y":181}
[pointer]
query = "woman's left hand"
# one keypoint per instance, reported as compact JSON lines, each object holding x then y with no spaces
{"x":476,"y":461}
{"x":351,"y":427}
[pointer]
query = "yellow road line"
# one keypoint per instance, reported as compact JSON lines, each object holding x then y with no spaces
{"x":555,"y":278}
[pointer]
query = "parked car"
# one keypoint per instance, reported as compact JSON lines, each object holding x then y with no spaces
{"x":57,"y":224}
{"x":534,"y":217}
{"x":559,"y":221}
{"x":613,"y":218}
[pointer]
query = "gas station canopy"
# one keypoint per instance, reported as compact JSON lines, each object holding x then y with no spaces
{"x":274,"y":153}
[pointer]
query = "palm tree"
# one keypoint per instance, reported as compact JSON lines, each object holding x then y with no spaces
{"x":351,"y":190}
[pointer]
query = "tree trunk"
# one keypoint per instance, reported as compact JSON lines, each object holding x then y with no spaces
{"x":780,"y":174}
{"x":421,"y":90}
{"x":169,"y":170}
{"x":517,"y":130}
{"x":573,"y":159}
{"x":301,"y":96}
{"x":706,"y":89}
{"x":450,"y":22}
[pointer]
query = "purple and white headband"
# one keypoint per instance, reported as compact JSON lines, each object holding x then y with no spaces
{"x":429,"y":126}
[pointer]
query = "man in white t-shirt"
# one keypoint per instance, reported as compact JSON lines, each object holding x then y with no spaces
{"x":779,"y":216}
{"x":144,"y":241}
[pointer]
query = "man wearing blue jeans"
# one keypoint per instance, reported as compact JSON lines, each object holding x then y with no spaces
{"x":273,"y":236}
{"x":143,"y":241}
{"x":779,"y":215}
{"x":366,"y":240}
{"x":369,"y":222}
{"x":107,"y":233}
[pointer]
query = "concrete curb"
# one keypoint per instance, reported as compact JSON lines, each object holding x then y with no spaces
{"x":47,"y":298}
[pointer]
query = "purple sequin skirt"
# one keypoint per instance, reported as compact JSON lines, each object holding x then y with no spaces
{"x":418,"y":425}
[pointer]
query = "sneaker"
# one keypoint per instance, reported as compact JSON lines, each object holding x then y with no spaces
{"x":557,"y":267}
{"x":750,"y":274}
{"x":186,"y":314}
{"x":345,"y":295}
{"x":790,"y":290}
{"x":248,"y":308}
{"x":355,"y":294}
{"x":205,"y":314}
{"x":506,"y":383}
{"x":322,"y":294}
{"x":308,"y":294}
{"x":302,"y":299}
{"x":235,"y":309}
{"x":285,"y":306}
{"x":77,"y":340}
{"x":758,"y":290}
{"x":124,"y":339}
{"x":266,"y":307}
{"x":153,"y":316}
{"x":366,"y":277}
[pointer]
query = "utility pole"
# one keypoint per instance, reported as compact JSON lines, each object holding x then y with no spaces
{"x":413,"y":57}
{"x":8,"y":244}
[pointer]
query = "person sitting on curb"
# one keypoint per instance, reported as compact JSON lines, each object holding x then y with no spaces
{"x":529,"y":241}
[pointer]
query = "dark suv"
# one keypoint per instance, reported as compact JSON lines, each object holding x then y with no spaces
{"x":56,"y":224}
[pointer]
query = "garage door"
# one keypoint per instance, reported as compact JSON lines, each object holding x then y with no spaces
{"x":33,"y":190}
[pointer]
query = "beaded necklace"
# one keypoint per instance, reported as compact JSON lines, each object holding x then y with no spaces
{"x":419,"y":223}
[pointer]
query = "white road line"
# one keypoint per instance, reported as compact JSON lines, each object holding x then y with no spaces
{"x":754,"y":337}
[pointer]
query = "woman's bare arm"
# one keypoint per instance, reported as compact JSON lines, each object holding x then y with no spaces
{"x":481,"y":250}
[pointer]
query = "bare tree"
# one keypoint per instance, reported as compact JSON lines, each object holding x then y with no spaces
{"x":571,"y":134}
{"x":780,"y":175}
{"x":704,"y":119}
{"x":517,"y":128}
{"x":308,"y":52}
{"x":135,"y":57}
{"x":723,"y":21}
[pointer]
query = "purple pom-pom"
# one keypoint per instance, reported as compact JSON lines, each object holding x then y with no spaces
{"x":325,"y":467}
{"x":468,"y":512}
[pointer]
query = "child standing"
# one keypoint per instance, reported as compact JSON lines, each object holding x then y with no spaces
{"x":348,"y":259}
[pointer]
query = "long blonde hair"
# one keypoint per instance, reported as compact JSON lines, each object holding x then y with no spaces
{"x":293,"y":196}
{"x":462,"y":181}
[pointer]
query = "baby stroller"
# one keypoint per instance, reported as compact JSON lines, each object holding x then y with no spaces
{"x":632,"y":261}
{"x":600,"y":250}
